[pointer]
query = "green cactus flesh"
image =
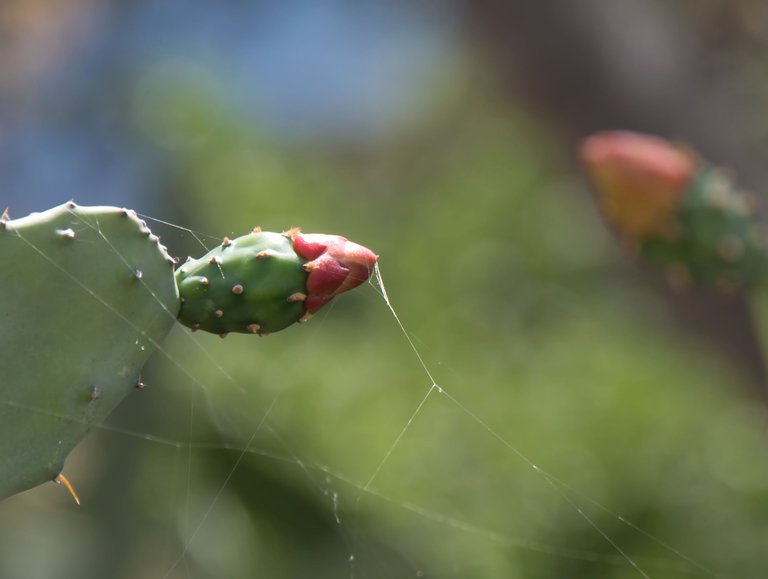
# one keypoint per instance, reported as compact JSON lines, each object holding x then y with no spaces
{"x":87,"y":295}
{"x":718,"y":241}
{"x":253,"y":284}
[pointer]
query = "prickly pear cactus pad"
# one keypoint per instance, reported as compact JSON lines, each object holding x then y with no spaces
{"x":87,"y":295}
{"x":264,"y":282}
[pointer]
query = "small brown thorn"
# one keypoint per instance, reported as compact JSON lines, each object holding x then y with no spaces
{"x":226,"y":242}
{"x":204,"y":281}
{"x":305,"y":318}
{"x":214,"y":260}
{"x":253,"y":328}
{"x":124,"y":212}
{"x":71,"y":205}
{"x":264,"y":334}
{"x":297,"y":297}
{"x":309,"y":266}
{"x":146,"y":232}
{"x":5,"y":216}
{"x":223,"y":335}
{"x":291,"y":233}
{"x":256,"y":229}
{"x":218,"y":313}
{"x":195,"y":327}
{"x":237,"y":289}
{"x":62,"y":480}
{"x":140,"y":385}
{"x":263,"y":254}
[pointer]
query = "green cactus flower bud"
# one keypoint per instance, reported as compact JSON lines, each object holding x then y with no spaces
{"x":263,"y":282}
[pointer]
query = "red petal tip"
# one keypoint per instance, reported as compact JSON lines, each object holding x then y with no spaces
{"x":338,"y":265}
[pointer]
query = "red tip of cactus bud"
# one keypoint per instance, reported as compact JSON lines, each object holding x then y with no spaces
{"x":335,"y":265}
{"x":640,"y":179}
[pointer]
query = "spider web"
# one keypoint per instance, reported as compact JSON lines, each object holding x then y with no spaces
{"x":232,"y":432}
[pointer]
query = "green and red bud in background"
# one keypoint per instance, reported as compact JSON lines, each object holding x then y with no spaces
{"x":680,"y":213}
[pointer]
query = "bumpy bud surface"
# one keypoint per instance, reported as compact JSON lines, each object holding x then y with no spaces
{"x":681,"y":213}
{"x":264,"y":282}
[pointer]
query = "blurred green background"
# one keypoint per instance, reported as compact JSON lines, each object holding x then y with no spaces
{"x":440,"y":134}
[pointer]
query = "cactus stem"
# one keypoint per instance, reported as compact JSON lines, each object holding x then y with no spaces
{"x":253,"y":328}
{"x":218,"y":313}
{"x":730,"y":248}
{"x":66,"y":233}
{"x":62,"y":480}
{"x":305,"y":318}
{"x":226,"y":242}
{"x":256,"y":229}
{"x":237,"y":289}
{"x":297,"y":297}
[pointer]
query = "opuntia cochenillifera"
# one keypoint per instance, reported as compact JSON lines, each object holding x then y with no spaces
{"x":677,"y":211}
{"x":89,"y":294}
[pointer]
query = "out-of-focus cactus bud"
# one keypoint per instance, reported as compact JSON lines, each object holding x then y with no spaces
{"x":681,"y":213}
{"x":641,"y":180}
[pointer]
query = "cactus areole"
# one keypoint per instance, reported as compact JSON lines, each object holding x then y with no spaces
{"x":91,"y":293}
{"x":263,"y":282}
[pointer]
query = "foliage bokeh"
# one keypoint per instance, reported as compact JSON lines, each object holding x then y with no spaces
{"x":511,"y":290}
